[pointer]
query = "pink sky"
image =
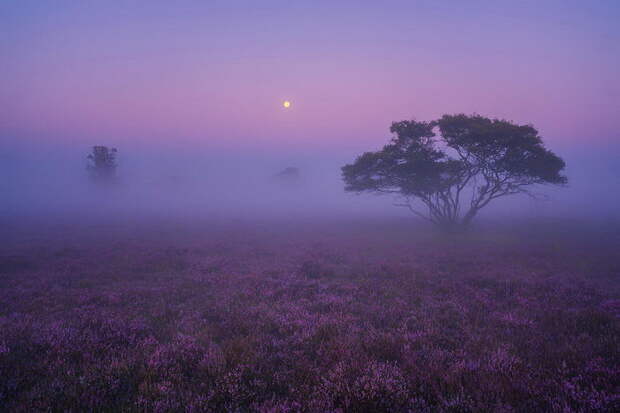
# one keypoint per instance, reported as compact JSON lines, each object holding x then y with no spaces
{"x":216,"y":73}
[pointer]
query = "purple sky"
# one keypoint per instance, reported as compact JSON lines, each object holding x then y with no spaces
{"x":216,"y":72}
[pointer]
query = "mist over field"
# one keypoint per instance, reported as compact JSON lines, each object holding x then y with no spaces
{"x":407,"y":206}
{"x":203,"y":181}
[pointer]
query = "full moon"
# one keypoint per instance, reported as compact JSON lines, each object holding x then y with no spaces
{"x":286,"y":104}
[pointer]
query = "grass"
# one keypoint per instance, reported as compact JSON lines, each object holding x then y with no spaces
{"x":370,"y":317}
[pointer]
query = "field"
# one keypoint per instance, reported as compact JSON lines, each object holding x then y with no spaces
{"x":368,"y":316}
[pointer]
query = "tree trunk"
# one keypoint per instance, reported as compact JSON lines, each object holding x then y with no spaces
{"x":466,"y":220}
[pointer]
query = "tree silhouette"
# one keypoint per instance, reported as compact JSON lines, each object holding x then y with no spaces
{"x":102,"y":164}
{"x":485,"y":158}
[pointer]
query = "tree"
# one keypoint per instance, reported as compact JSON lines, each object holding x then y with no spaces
{"x":289,"y":175}
{"x":439,"y":162}
{"x":102,"y":164}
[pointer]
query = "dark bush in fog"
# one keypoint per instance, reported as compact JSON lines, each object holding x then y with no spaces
{"x":289,"y":176}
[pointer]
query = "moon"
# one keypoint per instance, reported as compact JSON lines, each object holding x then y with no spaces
{"x":286,"y":104}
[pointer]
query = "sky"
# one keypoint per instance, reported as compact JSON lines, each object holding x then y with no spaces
{"x":180,"y":81}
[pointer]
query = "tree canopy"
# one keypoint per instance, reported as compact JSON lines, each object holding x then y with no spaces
{"x":440,"y":161}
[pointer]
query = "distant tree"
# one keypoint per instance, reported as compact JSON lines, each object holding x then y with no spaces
{"x":485,"y":158}
{"x":102,"y":164}
{"x":289,"y":175}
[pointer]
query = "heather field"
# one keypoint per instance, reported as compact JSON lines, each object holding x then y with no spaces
{"x":364,"y":316}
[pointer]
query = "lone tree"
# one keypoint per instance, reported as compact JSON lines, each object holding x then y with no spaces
{"x":102,"y":164}
{"x":441,"y":161}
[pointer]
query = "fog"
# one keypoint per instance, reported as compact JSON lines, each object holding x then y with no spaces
{"x":219,"y":183}
{"x":192,"y":98}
